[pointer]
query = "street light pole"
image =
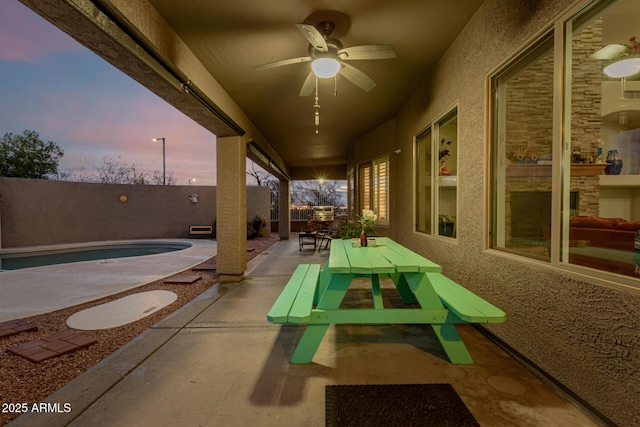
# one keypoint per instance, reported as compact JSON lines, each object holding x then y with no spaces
{"x":164,"y":166}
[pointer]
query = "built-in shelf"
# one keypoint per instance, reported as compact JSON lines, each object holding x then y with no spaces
{"x":537,"y":169}
{"x":621,"y":181}
{"x":448,"y":180}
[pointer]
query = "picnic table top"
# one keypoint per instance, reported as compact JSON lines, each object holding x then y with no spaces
{"x":386,"y":257}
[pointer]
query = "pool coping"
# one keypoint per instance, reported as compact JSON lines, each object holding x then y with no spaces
{"x":100,"y":244}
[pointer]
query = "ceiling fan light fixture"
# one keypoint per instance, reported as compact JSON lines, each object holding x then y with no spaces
{"x":325,"y":67}
{"x":624,"y":68}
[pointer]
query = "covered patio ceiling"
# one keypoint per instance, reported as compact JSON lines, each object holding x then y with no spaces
{"x":230,"y":38}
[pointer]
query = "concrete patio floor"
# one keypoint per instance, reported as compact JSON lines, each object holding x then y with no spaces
{"x":219,"y":362}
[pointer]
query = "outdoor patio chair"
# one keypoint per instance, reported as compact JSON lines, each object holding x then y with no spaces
{"x":326,"y":237}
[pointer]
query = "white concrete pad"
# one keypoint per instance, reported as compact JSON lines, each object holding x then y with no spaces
{"x":121,"y":311}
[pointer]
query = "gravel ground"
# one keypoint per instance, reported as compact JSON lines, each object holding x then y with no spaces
{"x":22,"y":381}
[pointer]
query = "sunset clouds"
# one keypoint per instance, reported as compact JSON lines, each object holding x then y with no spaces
{"x":26,"y":37}
{"x":51,"y":84}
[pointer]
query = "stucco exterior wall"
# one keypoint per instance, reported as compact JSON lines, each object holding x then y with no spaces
{"x":40,"y":212}
{"x":584,"y":334}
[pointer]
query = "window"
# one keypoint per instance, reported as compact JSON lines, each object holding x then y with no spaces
{"x":373,"y":184}
{"x":580,"y":207}
{"x":436,"y":194}
{"x":522,"y":153}
{"x":350,"y":191}
{"x":381,"y":189}
{"x":364,"y":185}
{"x":602,"y":120}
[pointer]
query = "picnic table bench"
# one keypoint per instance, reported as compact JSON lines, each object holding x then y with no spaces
{"x":313,"y":297}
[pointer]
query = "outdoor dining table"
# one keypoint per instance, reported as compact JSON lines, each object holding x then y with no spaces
{"x":433,"y":298}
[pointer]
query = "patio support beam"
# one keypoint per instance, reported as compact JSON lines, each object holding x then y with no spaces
{"x":231,"y":208}
{"x":284,"y":204}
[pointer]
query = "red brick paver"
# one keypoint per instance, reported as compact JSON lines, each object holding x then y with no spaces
{"x":206,"y":266}
{"x":13,"y":327}
{"x":210,"y":264}
{"x":183,"y":280}
{"x":52,"y":346}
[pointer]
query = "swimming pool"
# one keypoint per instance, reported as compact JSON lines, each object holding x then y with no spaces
{"x":19,"y":258}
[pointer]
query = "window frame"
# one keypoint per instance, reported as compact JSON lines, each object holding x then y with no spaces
{"x":425,"y":134}
{"x":433,"y":208}
{"x":369,"y":187}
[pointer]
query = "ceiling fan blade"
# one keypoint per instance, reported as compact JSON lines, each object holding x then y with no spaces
{"x":314,"y":37}
{"x":609,"y":51}
{"x":357,"y":77}
{"x":282,"y":62}
{"x":371,"y":51}
{"x":309,"y":85}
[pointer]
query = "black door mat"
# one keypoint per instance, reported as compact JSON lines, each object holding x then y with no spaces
{"x":405,"y":405}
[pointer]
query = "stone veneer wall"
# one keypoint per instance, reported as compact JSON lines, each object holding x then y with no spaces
{"x":529,"y":108}
{"x":529,"y":98}
{"x":578,"y":330}
{"x":587,"y":187}
{"x":586,"y":90}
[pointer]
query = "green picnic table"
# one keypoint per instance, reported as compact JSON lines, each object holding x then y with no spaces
{"x":313,"y":297}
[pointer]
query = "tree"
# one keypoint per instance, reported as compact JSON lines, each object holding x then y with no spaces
{"x":113,"y":171}
{"x":157,"y":178}
{"x":27,"y":156}
{"x":118,"y":172}
{"x":261,"y":177}
{"x":316,"y":193}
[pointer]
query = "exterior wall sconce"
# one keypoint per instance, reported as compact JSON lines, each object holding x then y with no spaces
{"x":193,"y":198}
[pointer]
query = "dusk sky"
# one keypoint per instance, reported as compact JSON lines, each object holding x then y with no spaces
{"x":51,"y":84}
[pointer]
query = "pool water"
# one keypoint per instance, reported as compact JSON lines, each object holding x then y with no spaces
{"x":19,"y":260}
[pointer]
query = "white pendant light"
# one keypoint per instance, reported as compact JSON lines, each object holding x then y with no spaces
{"x":624,"y":68}
{"x":610,"y":51}
{"x":325,"y":67}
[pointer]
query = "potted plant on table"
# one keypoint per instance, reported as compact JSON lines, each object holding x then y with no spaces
{"x":367,"y":223}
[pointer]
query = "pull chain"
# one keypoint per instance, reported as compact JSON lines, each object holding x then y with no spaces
{"x":316,"y":116}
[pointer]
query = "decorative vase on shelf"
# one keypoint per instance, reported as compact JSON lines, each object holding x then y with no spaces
{"x":614,"y":163}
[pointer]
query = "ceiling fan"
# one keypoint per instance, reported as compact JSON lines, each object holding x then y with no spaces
{"x":328,"y":57}
{"x":626,"y":58}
